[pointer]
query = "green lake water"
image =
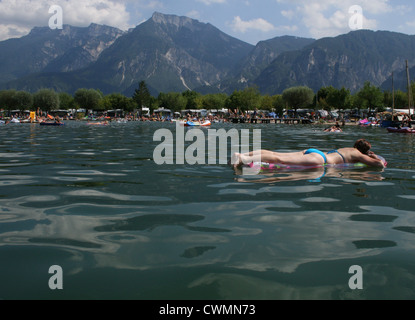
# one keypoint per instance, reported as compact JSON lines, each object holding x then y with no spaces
{"x":92,"y":200}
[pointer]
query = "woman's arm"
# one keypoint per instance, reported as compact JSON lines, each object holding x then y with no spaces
{"x":371,"y":159}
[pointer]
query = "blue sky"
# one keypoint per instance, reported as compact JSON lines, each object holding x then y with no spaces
{"x":248,"y":20}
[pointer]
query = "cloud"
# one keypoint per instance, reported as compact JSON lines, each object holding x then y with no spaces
{"x":371,"y":6}
{"x":410,"y":24}
{"x":209,"y":2}
{"x":327,"y":18}
{"x":18,"y":17}
{"x":324,"y":24}
{"x":12,"y":31}
{"x":289,"y":14}
{"x":238,"y":25}
{"x":287,"y":28}
{"x":376,"y":6}
{"x":153,"y":4}
{"x":193,"y":14}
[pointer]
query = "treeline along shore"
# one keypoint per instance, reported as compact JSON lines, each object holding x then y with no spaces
{"x":369,"y":98}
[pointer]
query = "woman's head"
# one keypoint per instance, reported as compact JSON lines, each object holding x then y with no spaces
{"x":363,"y":146}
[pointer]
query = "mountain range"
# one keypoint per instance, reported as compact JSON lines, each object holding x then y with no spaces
{"x":172,"y":53}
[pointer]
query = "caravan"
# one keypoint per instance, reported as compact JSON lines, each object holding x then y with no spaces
{"x":145,"y":111}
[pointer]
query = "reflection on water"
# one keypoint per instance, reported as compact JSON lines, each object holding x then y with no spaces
{"x":196,"y":251}
{"x":316,"y":175}
{"x":91,"y":200}
{"x":152,"y":221}
{"x":373,"y":244}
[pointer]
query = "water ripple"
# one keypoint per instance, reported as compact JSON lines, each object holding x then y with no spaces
{"x":288,"y":189}
{"x":319,"y":200}
{"x":115,"y":196}
{"x":89,"y":173}
{"x":7,"y":183}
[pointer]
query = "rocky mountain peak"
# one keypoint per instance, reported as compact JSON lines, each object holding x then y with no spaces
{"x":168,"y":19}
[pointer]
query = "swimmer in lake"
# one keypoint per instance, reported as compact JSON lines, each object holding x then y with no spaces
{"x":313,"y":157}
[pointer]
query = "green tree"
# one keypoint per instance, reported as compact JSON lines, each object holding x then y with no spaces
{"x":173,"y":101}
{"x":23,"y":100}
{"x":247,"y":99}
{"x":338,"y":98}
{"x":116,"y":101}
{"x":105,"y":103}
{"x":130,"y":105}
{"x":88,"y":99}
{"x":234,"y":101}
{"x":267,"y":102}
{"x":142,"y":95}
{"x":324,"y":92}
{"x":214,"y":101}
{"x":401,"y":100}
{"x":412,"y":96}
{"x":371,"y":97}
{"x":194,"y":99}
{"x":279,"y":105}
{"x":46,"y":100}
{"x":298,"y":97}
{"x":66,"y":101}
{"x":356,"y":102}
{"x":320,"y":99}
{"x":7,"y":100}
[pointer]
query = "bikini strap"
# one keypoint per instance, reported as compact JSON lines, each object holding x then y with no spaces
{"x":336,"y":151}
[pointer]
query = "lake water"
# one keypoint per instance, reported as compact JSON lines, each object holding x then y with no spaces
{"x":92,"y":200}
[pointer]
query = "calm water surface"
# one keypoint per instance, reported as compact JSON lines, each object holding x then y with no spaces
{"x":92,"y":200}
